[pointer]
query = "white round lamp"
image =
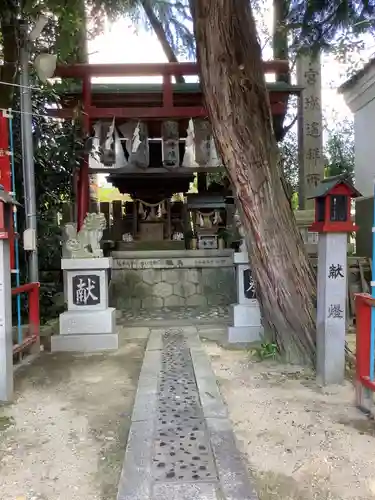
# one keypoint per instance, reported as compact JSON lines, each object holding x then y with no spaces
{"x":45,"y":66}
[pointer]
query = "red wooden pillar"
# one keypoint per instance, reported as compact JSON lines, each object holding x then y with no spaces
{"x":5,"y":173}
{"x":83,"y":197}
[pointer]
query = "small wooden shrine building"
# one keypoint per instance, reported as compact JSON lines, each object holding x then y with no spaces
{"x":141,"y":136}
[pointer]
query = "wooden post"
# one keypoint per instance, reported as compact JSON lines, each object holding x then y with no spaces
{"x":202,"y":182}
{"x":84,"y":183}
{"x":117,"y":220}
{"x":169,"y":220}
{"x":104,"y":208}
{"x":135,"y":219}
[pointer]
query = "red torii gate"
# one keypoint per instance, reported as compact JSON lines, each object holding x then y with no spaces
{"x":140,"y":108}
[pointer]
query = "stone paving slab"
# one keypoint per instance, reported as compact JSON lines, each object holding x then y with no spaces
{"x":155,"y":342}
{"x":181,"y":444}
{"x":170,"y":316}
{"x":186,"y":491}
{"x":147,"y":393}
{"x":135,"y":480}
{"x":232,"y":473}
{"x":135,"y":332}
{"x":212,"y":402}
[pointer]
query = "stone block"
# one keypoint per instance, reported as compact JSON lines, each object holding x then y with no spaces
{"x":184,"y":289}
{"x":212,"y":402}
{"x":189,"y":288}
{"x":196,"y":300}
{"x":88,"y":263}
{"x":141,"y":290}
{"x":84,"y":343}
{"x":135,"y":479}
{"x":193,"y":275}
{"x":178,"y":289}
{"x":244,"y":334}
{"x":172,"y":275}
{"x":151,"y":276}
{"x":216,"y":299}
{"x":152,"y":302}
{"x":234,"y":479}
{"x":133,"y":332}
{"x":245,"y":314}
{"x":173,"y":301}
{"x":219,"y":282}
{"x":124,"y":302}
{"x":187,"y":491}
{"x":162,"y":289}
{"x":246,"y":321}
{"x":88,"y":322}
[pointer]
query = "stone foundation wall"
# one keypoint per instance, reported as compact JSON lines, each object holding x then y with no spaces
{"x":177,"y":278}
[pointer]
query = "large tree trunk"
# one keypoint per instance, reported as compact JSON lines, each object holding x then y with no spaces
{"x":237,"y":102}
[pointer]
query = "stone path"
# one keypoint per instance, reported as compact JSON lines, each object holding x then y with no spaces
{"x":190,"y":314}
{"x":181,"y":445}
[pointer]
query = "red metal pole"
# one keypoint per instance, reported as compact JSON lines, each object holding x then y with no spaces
{"x":34,"y":314}
{"x":83,"y":181}
{"x":5,"y":175}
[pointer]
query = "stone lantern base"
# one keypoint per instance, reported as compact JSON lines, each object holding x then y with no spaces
{"x":245,"y":315}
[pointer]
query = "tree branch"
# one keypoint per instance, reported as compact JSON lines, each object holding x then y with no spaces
{"x":288,"y":127}
{"x":160,"y":33}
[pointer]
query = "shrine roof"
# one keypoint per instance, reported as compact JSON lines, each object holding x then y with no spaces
{"x":327,"y":184}
{"x":139,"y":88}
{"x":349,"y":84}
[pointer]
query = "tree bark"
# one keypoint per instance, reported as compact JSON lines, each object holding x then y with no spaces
{"x":8,"y":71}
{"x":160,"y":33}
{"x":237,"y":103}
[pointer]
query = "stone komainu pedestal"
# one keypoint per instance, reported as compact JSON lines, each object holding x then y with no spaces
{"x":89,"y":324}
{"x":245,"y":316}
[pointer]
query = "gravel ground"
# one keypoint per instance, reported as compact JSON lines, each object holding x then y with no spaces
{"x":300,"y":442}
{"x":64,"y":437}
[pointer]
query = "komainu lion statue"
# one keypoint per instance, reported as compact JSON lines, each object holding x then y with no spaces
{"x":86,"y":242}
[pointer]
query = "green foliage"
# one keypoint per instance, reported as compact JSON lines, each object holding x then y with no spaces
{"x":55,"y":158}
{"x":289,"y":159}
{"x":266,"y":351}
{"x":338,"y":154}
{"x":323,"y":23}
{"x":339,"y":150}
{"x":175,"y":19}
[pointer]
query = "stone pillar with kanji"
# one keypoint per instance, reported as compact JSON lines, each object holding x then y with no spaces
{"x":310,"y":133}
{"x":334,"y":224}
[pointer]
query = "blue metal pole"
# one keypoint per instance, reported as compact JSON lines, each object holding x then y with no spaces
{"x":16,"y":247}
{"x":372,"y":337}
